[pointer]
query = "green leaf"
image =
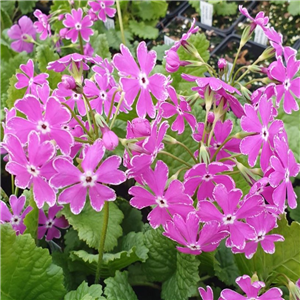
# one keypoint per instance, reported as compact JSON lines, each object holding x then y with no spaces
{"x":89,"y":225}
{"x":160,"y":50}
{"x":26,"y":6}
{"x":114,"y":38}
{"x":64,"y":7}
{"x":45,"y":54}
{"x":100,"y":44}
{"x":143,"y":30}
{"x":294,"y":7}
{"x":149,"y":10}
{"x":224,"y":265}
{"x":27,"y":271}
{"x":183,"y":87}
{"x":8,"y":70}
{"x":285,"y":260}
{"x":183,"y":283}
{"x":13,"y":94}
{"x":132,"y":217}
{"x":8,"y":6}
{"x":295,"y":213}
{"x":292,"y":127}
{"x":118,"y":288}
{"x":94,"y":291}
{"x":133,"y":250}
{"x":161,"y":256}
{"x":31,"y":219}
{"x":225,"y":8}
{"x":5,"y":19}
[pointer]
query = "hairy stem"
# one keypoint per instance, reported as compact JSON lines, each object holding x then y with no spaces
{"x":102,"y":240}
{"x":176,"y":158}
{"x":120,"y":22}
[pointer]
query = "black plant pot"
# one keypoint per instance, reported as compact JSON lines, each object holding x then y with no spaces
{"x":221,"y":24}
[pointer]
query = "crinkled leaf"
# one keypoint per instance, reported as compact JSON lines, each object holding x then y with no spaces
{"x":149,"y":10}
{"x":31,"y":219}
{"x":94,"y":291}
{"x":285,"y":260}
{"x":5,"y":19}
{"x":133,"y":249}
{"x":224,"y":265}
{"x":143,"y":30}
{"x":100,"y":44}
{"x":89,"y":225}
{"x":65,"y":7}
{"x":118,"y":288}
{"x":160,"y":50}
{"x":183,"y":87}
{"x":161,"y":256}
{"x":183,"y":282}
{"x":45,"y":54}
{"x":26,"y":6}
{"x":13,"y":94}
{"x":225,"y":9}
{"x":132,"y":221}
{"x":294,"y":8}
{"x":295,"y":213}
{"x":27,"y":271}
{"x":114,"y":38}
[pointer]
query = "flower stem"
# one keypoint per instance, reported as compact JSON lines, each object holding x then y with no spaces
{"x":235,"y":59}
{"x":188,"y":150}
{"x":117,"y":110}
{"x":12,"y":184}
{"x":81,"y":43}
{"x":111,"y":106}
{"x":120,"y":22}
{"x":175,"y":157}
{"x":93,"y":115}
{"x":102,"y":240}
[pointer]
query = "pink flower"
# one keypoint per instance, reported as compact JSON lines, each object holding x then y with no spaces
{"x":182,"y":109}
{"x":135,"y":80}
{"x":205,"y":177}
{"x":42,"y":25}
{"x":78,"y":25}
{"x":102,"y":93}
{"x":222,"y":63}
{"x":173,"y":62}
{"x":21,"y":33}
{"x":92,"y":180}
{"x":259,"y":19}
{"x":138,"y":127}
{"x":187,"y":233}
{"x":167,"y":201}
{"x":35,"y":169}
{"x":206,"y":295}
{"x":265,"y":129}
{"x":66,"y":62}
{"x":30,"y":81}
{"x":251,"y":289}
{"x":68,"y":82}
{"x":287,"y":87}
{"x":109,"y":138}
{"x":17,"y":217}
{"x":231,"y":215}
{"x":262,"y":224}
{"x":104,"y":68}
{"x":102,"y":8}
{"x":49,"y":122}
{"x":49,"y":225}
{"x":88,"y":50}
{"x":285,"y":166}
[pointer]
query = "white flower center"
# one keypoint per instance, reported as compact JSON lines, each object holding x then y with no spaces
{"x":143,"y":80}
{"x":265,"y":133}
{"x":75,"y":96}
{"x":229,"y":219}
{"x":32,"y":170}
{"x":216,"y":145}
{"x":43,"y":127}
{"x":161,"y":201}
{"x":287,"y":84}
{"x":103,"y":95}
{"x":180,"y":112}
{"x":15,"y":220}
{"x":194,"y":247}
{"x":78,"y":26}
{"x":30,"y":81}
{"x":49,"y":223}
{"x":102,"y":4}
{"x":88,"y":179}
{"x":207,"y":177}
{"x":287,"y":175}
{"x":260,"y":236}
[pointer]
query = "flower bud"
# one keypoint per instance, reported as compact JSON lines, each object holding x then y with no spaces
{"x":168,"y":139}
{"x":138,"y":128}
{"x":246,"y":35}
{"x":68,"y":82}
{"x":172,"y":61}
{"x":190,"y":48}
{"x":61,"y":17}
{"x":109,"y":138}
{"x":268,"y":53}
{"x":203,"y":154}
{"x":294,"y":290}
{"x":222,"y":63}
{"x":210,"y":117}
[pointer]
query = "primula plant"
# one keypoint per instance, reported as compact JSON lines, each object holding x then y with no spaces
{"x":131,"y":179}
